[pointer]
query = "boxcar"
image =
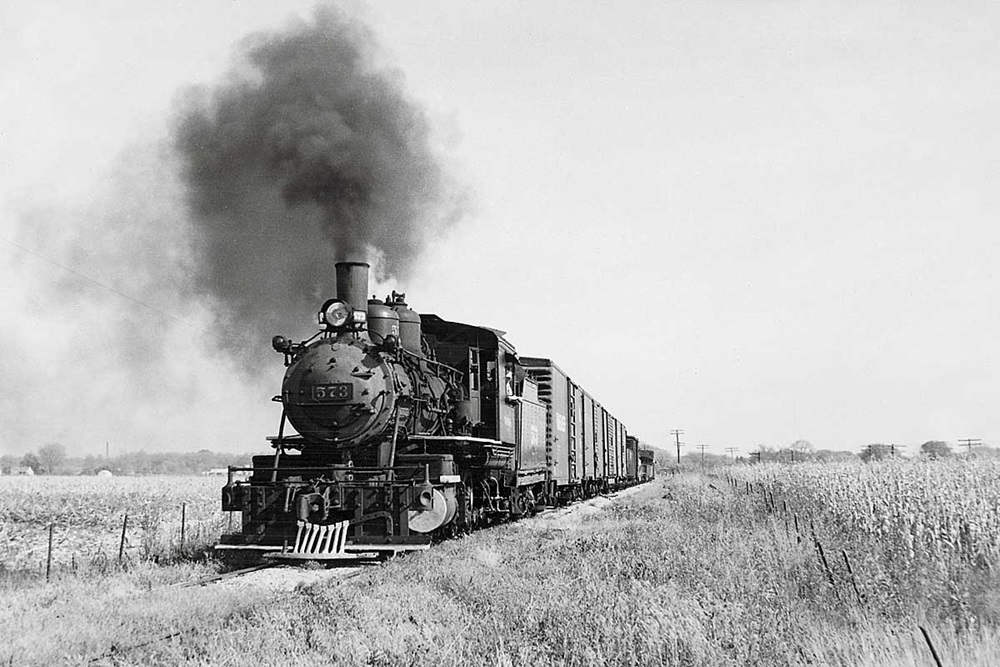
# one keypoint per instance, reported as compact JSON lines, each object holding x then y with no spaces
{"x":588,"y":448}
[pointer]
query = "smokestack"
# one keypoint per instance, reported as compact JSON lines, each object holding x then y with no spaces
{"x":352,"y":284}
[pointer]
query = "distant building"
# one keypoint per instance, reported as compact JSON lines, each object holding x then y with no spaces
{"x":104,"y":473}
{"x":22,"y":470}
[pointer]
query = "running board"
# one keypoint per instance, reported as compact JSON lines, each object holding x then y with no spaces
{"x":301,"y":557}
{"x":359,"y":548}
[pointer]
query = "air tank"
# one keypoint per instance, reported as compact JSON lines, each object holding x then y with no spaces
{"x":382,"y":321}
{"x":409,"y":324}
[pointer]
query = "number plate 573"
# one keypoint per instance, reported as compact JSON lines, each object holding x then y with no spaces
{"x":332,"y":393}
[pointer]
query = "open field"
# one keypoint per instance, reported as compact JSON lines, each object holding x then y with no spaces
{"x":921,"y":535}
{"x":684,"y":571}
{"x":88,"y":513}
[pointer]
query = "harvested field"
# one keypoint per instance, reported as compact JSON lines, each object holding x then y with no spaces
{"x":87,"y":514}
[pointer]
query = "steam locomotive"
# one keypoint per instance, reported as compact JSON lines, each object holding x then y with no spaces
{"x":398,"y":429}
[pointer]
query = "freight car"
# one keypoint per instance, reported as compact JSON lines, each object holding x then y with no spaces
{"x":589,"y":449}
{"x":398,"y":428}
{"x":647,"y":470}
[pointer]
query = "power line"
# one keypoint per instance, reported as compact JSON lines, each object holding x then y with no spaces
{"x":677,"y":434}
{"x":970,"y":442}
{"x":110,"y":289}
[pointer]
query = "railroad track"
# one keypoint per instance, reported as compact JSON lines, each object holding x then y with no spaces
{"x":220,"y":577}
{"x":293,"y":577}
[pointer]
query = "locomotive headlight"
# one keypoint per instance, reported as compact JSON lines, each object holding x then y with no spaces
{"x":335,"y":313}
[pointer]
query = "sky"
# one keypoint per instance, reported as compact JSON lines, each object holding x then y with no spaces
{"x":758,"y":222}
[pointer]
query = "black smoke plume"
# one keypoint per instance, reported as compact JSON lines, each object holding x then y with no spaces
{"x":307,"y":154}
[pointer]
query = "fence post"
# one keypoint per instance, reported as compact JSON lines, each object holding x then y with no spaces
{"x":48,"y":560}
{"x":121,"y":546}
{"x":822,"y":558}
{"x":183,"y":522}
{"x":854,"y":579}
{"x":930,"y":644}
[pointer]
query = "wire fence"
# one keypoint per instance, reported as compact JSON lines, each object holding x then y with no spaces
{"x":53,"y":526}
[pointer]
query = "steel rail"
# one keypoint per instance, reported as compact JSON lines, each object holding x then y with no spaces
{"x":116,"y":650}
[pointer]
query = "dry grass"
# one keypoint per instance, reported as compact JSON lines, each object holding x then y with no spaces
{"x":76,"y":619}
{"x":687,"y":571}
{"x":680,"y":573}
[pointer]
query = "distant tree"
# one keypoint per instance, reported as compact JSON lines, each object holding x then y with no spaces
{"x":876,"y":452}
{"x":709,"y":460}
{"x":662,"y":458}
{"x":798,"y":451}
{"x":8,"y":462}
{"x":90,"y":464}
{"x":30,"y":460}
{"x":829,"y":455}
{"x":766,"y":453}
{"x":51,"y":456}
{"x":935,"y":449}
{"x":803,"y":446}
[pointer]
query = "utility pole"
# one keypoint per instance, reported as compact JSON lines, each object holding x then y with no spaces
{"x":702,"y":448}
{"x":732,"y":453}
{"x":677,"y":432}
{"x":970,"y":443}
{"x":107,"y":451}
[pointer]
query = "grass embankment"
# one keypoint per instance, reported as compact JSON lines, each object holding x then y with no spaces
{"x":683,"y":572}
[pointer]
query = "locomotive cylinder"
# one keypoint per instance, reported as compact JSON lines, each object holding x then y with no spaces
{"x":352,"y":284}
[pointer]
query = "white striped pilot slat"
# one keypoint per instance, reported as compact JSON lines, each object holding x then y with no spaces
{"x":315,"y":539}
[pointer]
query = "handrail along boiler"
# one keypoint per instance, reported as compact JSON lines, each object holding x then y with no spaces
{"x":409,"y":427}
